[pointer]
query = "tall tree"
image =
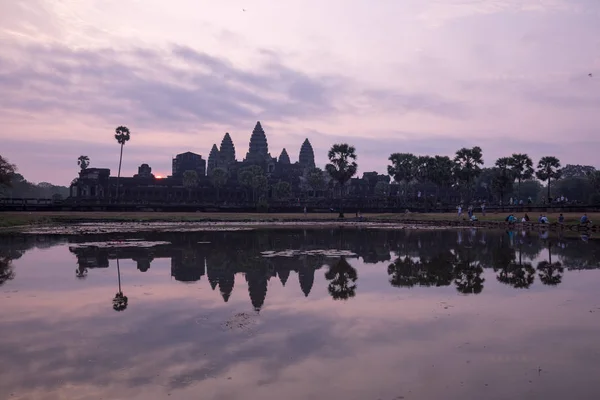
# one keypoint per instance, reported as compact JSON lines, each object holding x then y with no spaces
{"x":282,"y":190}
{"x":503,"y":178}
{"x":467,"y":167}
{"x":548,"y":168}
{"x":219,"y":179}
{"x":522,"y":168}
{"x":403,"y":168}
{"x":7,"y":170}
{"x":342,"y":167}
{"x":83,"y":162}
{"x":316,"y":180}
{"x":441,"y":175}
{"x":190,"y":181}
{"x":122,"y":135}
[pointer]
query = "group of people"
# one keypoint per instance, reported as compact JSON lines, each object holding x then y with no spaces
{"x":543,"y":219}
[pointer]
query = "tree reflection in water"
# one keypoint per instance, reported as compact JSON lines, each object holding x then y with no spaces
{"x":120,"y":300}
{"x":550,"y":273}
{"x":342,"y":280}
{"x":413,"y":258}
{"x":6,"y":270}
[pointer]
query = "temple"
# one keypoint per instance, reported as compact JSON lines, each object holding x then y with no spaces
{"x":96,"y":184}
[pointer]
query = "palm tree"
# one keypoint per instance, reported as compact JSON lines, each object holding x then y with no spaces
{"x":403,"y":168}
{"x":548,"y":168}
{"x":550,"y":273}
{"x":83,"y":162}
{"x":342,"y":277}
{"x":342,"y":167}
{"x":219,"y":179}
{"x":120,"y":300}
{"x":467,"y":166}
{"x":522,"y":168}
{"x":190,"y":181}
{"x":122,"y":136}
{"x":503,"y":177}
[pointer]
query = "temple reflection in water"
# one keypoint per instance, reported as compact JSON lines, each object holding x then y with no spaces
{"x":413,"y":258}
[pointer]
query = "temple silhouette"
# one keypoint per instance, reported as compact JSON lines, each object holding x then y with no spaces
{"x":98,"y":185}
{"x":423,"y":259}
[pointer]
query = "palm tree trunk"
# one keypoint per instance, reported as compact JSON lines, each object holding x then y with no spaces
{"x":549,"y":203}
{"x":341,"y":201}
{"x":119,"y":174}
{"x":119,"y":274}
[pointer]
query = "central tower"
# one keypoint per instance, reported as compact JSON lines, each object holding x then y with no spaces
{"x":258,"y":150}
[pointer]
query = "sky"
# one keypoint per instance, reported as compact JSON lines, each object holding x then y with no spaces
{"x":418,"y":76}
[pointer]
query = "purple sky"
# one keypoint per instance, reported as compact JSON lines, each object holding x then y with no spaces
{"x":421,"y":76}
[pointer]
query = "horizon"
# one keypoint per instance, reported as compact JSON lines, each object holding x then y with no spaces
{"x":423,"y":77}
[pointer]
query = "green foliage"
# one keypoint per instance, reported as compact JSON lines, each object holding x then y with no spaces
{"x":260,"y":183}
{"x":122,"y":135}
{"x":190,"y":179}
{"x":575,"y":188}
{"x":467,"y":165}
{"x":282,"y":190}
{"x":316,"y":179}
{"x":245,"y":178}
{"x":548,"y":168}
{"x":219,"y":177}
{"x":7,"y":170}
{"x":83,"y":162}
{"x":577,"y":171}
{"x":441,"y":174}
{"x":21,"y":188}
{"x":262,"y":205}
{"x":342,"y":163}
{"x":404,"y":167}
{"x":382,"y":189}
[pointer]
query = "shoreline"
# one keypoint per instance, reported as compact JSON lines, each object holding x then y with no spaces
{"x":66,"y":223}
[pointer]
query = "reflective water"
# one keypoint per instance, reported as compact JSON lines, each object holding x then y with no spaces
{"x":323,"y":314}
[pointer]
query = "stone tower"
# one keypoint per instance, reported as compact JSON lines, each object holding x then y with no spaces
{"x":226,"y":152}
{"x":259,"y":148}
{"x":213,"y":159}
{"x":284,"y":158}
{"x":307,"y":156}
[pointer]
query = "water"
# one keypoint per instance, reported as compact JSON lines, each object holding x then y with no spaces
{"x":300,"y":314}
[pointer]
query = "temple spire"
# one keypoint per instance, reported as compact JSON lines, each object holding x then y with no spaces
{"x":227,"y":150}
{"x":307,"y":155}
{"x":213,"y":158}
{"x":284,"y":158}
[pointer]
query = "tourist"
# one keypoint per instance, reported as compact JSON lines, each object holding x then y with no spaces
{"x":511,"y":219}
{"x":483,"y":209}
{"x":459,"y":210}
{"x":543,"y":219}
{"x":526,"y":218}
{"x":304,"y":210}
{"x":470,"y":211}
{"x":561,"y":219}
{"x":585,"y":220}
{"x":474,"y":218}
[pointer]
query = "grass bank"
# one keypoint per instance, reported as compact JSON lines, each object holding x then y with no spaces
{"x":10,"y":221}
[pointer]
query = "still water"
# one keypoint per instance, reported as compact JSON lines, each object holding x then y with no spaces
{"x":300,"y":314}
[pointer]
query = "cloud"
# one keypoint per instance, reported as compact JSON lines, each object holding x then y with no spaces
{"x":178,"y":88}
